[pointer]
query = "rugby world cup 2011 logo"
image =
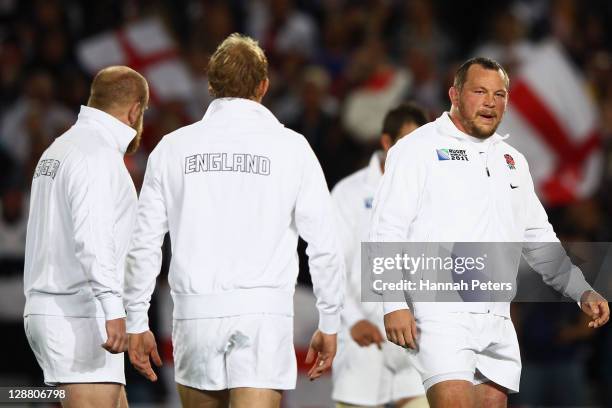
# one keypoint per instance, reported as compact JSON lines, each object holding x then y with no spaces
{"x":443,"y":154}
{"x":452,"y":154}
{"x":510,"y":162}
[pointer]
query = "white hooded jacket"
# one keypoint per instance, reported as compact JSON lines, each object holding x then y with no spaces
{"x":234,"y":190}
{"x":442,"y":185}
{"x":82,"y":209}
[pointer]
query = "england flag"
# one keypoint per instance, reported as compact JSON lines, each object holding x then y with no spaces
{"x":552,"y":120}
{"x":146,"y":47}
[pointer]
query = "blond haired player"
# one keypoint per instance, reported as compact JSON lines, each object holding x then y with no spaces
{"x":234,"y":190}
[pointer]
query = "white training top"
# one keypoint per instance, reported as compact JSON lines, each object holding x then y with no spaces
{"x":353,"y":197}
{"x":442,"y":185}
{"x":82,"y":209}
{"x":234,"y":189}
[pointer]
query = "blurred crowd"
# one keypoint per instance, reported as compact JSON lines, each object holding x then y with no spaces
{"x":336,"y":67}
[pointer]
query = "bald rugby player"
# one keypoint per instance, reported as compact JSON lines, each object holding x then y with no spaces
{"x":82,"y":209}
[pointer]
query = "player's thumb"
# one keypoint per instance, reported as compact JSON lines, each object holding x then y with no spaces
{"x":310,"y":355}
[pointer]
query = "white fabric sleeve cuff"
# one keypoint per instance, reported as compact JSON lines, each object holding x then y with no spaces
{"x":113,"y":307}
{"x":389,"y":307}
{"x":137,"y":322}
{"x":329,"y":323}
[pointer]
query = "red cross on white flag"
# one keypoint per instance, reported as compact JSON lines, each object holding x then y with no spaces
{"x":146,"y":47}
{"x":553,"y":121}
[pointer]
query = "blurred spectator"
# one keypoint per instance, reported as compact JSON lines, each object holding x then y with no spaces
{"x":425,"y":88}
{"x":11,"y":65}
{"x":420,"y":29}
{"x":36,"y":118}
{"x":334,"y":52}
{"x":379,"y":86}
{"x":315,"y":116}
{"x":281,"y":29}
{"x":13,"y":225}
{"x":508,"y":43}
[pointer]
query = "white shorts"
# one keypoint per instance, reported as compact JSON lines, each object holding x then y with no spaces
{"x":369,"y":376}
{"x":69,"y":350}
{"x":239,"y":351}
{"x":476,"y":347}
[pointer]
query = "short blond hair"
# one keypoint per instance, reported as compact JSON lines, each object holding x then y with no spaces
{"x":117,"y":87}
{"x":237,"y":68}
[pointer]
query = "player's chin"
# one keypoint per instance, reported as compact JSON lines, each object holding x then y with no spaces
{"x":486,"y":130}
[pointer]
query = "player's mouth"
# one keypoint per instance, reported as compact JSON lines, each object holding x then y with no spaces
{"x":487,"y":117}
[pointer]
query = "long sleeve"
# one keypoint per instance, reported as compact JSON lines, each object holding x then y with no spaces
{"x":92,"y":204}
{"x":314,"y":218}
{"x":350,"y":239}
{"x":396,"y":204}
{"x":545,"y":254}
{"x":145,"y":255}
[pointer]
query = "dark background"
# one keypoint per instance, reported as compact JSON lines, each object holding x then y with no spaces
{"x":321,"y":53}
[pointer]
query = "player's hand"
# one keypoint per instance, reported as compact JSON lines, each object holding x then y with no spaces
{"x":323,"y":347}
{"x":596,"y":307}
{"x":401,"y":328}
{"x":116,"y":341}
{"x":365,"y":333}
{"x":142,"y":349}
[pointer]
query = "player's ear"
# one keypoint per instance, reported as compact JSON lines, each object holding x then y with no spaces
{"x":262,"y":89}
{"x":386,"y":142}
{"x":453,"y":94}
{"x":134,"y":113}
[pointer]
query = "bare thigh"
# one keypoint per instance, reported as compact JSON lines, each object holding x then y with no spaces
{"x":255,"y":398}
{"x":192,"y":397}
{"x":452,"y":394}
{"x":491,"y":395}
{"x":93,"y":395}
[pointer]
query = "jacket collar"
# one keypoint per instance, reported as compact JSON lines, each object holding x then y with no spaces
{"x":236,"y":110}
{"x":446,"y":125}
{"x":116,"y":133}
{"x":374,"y":172}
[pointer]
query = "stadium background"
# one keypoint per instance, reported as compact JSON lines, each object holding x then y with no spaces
{"x":335,"y":68}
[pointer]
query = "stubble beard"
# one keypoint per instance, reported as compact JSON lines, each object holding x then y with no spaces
{"x":135,"y":143}
{"x":473,"y":129}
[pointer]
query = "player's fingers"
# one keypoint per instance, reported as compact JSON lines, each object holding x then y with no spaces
{"x":146,"y":370}
{"x":378,"y":339}
{"x":323,"y":364}
{"x":604,"y":311}
{"x":119,"y":343}
{"x":400,"y":339}
{"x":111,"y":344}
{"x":314,"y":366}
{"x":413,"y":330}
{"x":391,"y":336}
{"x":135,"y":354}
{"x":594,"y":309}
{"x":155,"y":357}
{"x":408,"y":338}
{"x":310,"y":355}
